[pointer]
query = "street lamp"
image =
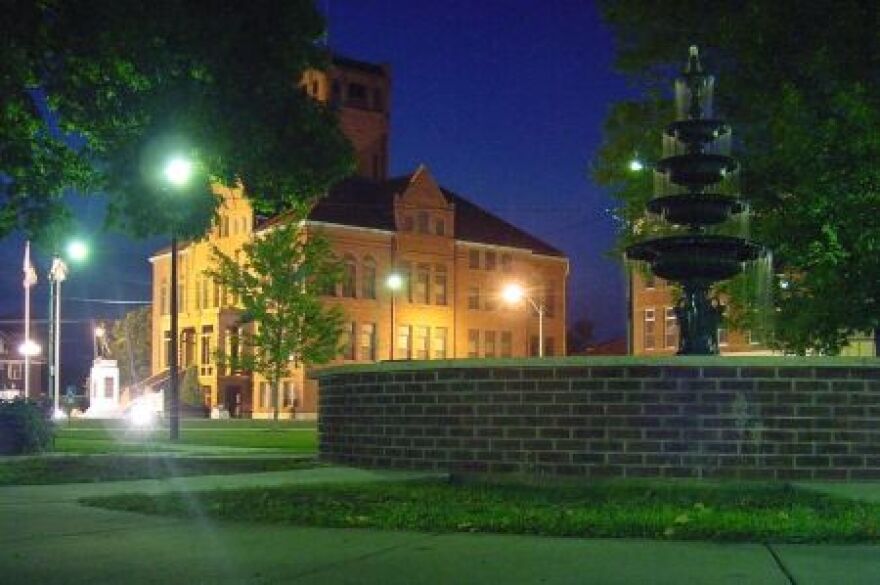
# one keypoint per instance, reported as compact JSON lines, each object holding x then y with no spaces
{"x":394,"y":282}
{"x":513,"y":294}
{"x":177,"y":173}
{"x":76,"y":251}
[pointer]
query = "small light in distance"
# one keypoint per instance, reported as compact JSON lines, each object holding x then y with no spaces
{"x":636,"y":166}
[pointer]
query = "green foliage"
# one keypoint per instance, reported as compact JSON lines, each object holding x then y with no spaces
{"x":23,"y":428}
{"x":278,"y":283}
{"x":635,"y":509}
{"x":804,"y":109}
{"x":131,"y":83}
{"x":130,"y":345}
{"x":190,"y":389}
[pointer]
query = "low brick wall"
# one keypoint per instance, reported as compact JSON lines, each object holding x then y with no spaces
{"x":751,"y":418}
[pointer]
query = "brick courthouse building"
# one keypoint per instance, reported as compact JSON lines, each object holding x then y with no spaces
{"x":454,"y":258}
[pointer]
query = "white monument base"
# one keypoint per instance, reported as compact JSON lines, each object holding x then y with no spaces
{"x":104,"y":390}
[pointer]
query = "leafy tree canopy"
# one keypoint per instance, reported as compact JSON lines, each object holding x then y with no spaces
{"x":130,"y":345}
{"x":277,"y":284}
{"x":131,"y":83}
{"x":800,"y":84}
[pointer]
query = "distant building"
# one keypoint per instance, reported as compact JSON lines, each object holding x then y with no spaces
{"x":654,"y":327}
{"x":454,"y":258}
{"x":12,"y":365}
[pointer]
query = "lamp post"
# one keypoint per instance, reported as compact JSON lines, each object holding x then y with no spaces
{"x":394,"y":282}
{"x":177,"y":173}
{"x":76,"y":251}
{"x":514,"y":293}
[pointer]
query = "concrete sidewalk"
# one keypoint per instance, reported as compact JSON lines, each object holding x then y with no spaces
{"x":46,"y":537}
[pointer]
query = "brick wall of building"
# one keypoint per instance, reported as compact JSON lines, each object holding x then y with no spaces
{"x":742,"y":418}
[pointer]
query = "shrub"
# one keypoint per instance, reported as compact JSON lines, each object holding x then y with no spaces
{"x":24,"y":428}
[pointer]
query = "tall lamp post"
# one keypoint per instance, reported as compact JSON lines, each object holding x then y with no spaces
{"x":394,"y":282}
{"x":76,"y":251}
{"x":177,"y":174}
{"x":514,"y":293}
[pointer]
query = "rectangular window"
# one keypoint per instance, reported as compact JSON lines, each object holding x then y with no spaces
{"x":265,"y":395}
{"x":216,"y":295}
{"x":473,"y":343}
{"x":489,"y":344}
{"x":14,"y":371}
{"x":506,"y":344}
{"x":368,"y":341}
{"x":287,"y":394}
{"x":420,"y":343}
{"x":163,"y":297}
{"x":166,"y":345}
{"x":349,"y":279}
{"x":549,"y":346}
{"x":348,"y":340}
{"x":474,"y":298}
{"x":422,"y":222}
{"x":534,"y":344}
{"x":491,"y":261}
{"x":423,"y":277}
{"x":207,"y":333}
{"x":368,"y":286}
{"x":439,"y":343}
{"x":357,"y":94}
{"x":474,"y":259}
{"x":506,"y":263}
{"x":670,"y":328}
{"x":403,"y":348}
{"x":754,"y":338}
{"x":649,"y":329}
{"x":722,"y":336}
{"x":440,"y":284}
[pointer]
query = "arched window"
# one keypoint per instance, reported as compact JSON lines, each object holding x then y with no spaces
{"x":349,"y":277}
{"x":368,"y":279}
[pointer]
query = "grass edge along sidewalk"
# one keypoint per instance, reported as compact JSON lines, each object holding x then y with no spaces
{"x":734,"y":512}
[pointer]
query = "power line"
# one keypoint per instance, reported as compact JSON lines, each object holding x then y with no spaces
{"x":108,"y":301}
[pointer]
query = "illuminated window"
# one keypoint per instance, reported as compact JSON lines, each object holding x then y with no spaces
{"x":722,"y":336}
{"x":489,"y":344}
{"x":506,"y":344}
{"x":288,"y":394}
{"x":670,"y":328}
{"x":420,"y":343}
{"x":491,"y":261}
{"x":440,"y":281}
{"x":649,"y":329}
{"x":473,"y":343}
{"x":348,"y":340}
{"x":423,"y":277}
{"x":403,"y":349}
{"x":207,"y":333}
{"x":368,"y":341}
{"x":474,"y":259}
{"x":439,"y":343}
{"x":368,"y":279}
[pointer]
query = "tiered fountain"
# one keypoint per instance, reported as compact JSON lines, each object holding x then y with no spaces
{"x":695,"y":188}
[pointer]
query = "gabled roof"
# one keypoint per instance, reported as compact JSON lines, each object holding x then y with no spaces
{"x":367,"y":203}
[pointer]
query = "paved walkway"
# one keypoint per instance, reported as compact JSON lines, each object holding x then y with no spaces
{"x":47,"y":538}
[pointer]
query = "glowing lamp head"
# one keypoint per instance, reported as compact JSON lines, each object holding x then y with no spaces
{"x":141,"y":416}
{"x":394,"y":281}
{"x":636,"y":166}
{"x":512,"y":293}
{"x":77,"y":250}
{"x":178,"y":171}
{"x":99,"y":331}
{"x":29,"y":348}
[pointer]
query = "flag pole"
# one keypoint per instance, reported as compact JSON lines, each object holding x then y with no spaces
{"x":30,"y":278}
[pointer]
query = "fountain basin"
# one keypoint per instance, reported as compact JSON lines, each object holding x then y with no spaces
{"x":696,"y":209}
{"x":701,"y":131}
{"x":697,"y":170}
{"x":699,"y":256}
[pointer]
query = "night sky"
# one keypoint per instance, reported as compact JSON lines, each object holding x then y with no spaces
{"x":502,"y":99}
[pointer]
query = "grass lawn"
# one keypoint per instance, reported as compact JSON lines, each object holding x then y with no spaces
{"x":644,"y":509}
{"x":114,"y":436}
{"x":48,"y":470}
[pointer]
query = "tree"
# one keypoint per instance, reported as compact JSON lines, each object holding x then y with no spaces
{"x":579,"y":336}
{"x":277,"y":282}
{"x":797,"y":82}
{"x":130,"y":345}
{"x":95,"y":94}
